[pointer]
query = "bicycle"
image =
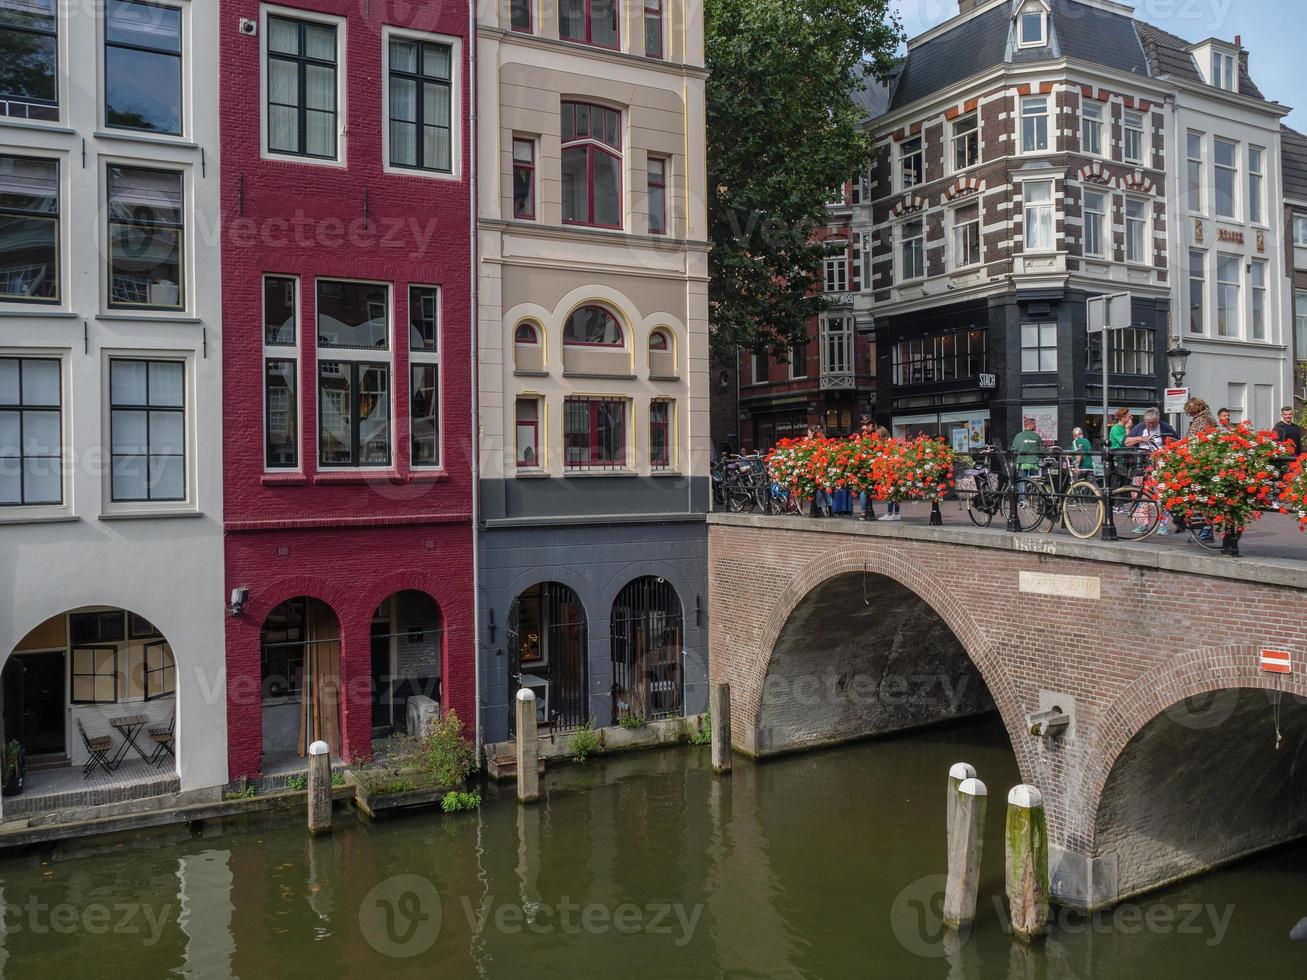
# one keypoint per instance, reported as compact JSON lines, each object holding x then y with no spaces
{"x":1056,"y":496}
{"x":987,"y":495}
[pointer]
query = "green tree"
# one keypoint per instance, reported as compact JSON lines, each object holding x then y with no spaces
{"x":783,"y":130}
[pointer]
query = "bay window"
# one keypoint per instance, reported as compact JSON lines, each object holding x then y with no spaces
{"x":966,"y":235}
{"x":912,"y":250}
{"x":524,"y":178}
{"x":1227,"y":178}
{"x":301,"y":86}
{"x":424,"y":374}
{"x":29,"y":229}
{"x":836,"y":343}
{"x":1133,"y":134}
{"x":1091,"y":127}
{"x":1229,"y":295}
{"x":1136,"y":230}
{"x":527,"y":412}
{"x":29,"y":60}
{"x":660,"y":434}
{"x":146,"y":234}
{"x":31,"y":431}
{"x":354,"y":395}
{"x":1038,"y":212}
{"x":143,"y":66}
{"x":657,"y":196}
{"x":1034,"y":124}
{"x":421,"y":113}
{"x":592,"y":165}
{"x":594,"y":433}
{"x":837,"y":268}
{"x":653,"y":28}
{"x":147,"y":429}
{"x":281,"y":372}
{"x":1197,"y":291}
{"x":588,"y":22}
{"x":1095,"y":218}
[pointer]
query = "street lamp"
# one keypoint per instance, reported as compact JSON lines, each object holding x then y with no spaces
{"x":1179,"y":358}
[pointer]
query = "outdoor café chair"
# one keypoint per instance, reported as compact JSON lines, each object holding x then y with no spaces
{"x":162,"y":737}
{"x":97,"y":749}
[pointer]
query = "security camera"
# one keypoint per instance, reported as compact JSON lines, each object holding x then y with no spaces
{"x":239,"y":597}
{"x":249,"y":26}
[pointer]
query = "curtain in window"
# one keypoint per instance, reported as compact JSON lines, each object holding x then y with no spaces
{"x":320,"y":119}
{"x":436,"y":125}
{"x":403,"y":121}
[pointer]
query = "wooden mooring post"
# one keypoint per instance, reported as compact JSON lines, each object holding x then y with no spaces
{"x":528,"y":748}
{"x":965,"y":848}
{"x":1027,"y":863}
{"x":319,"y":788}
{"x":719,"y":708}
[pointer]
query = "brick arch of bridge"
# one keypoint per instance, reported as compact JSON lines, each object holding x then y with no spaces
{"x":878,"y":558}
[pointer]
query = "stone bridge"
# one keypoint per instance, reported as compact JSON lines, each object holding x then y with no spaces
{"x":830,"y":631}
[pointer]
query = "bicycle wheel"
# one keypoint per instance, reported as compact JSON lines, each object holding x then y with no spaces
{"x":1032,"y":505}
{"x":739,"y":497}
{"x":1141,"y":512}
{"x":1082,"y":510}
{"x":981,"y":508}
{"x":1211,"y":541}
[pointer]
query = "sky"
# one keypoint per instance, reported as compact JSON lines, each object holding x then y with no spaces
{"x":1271,"y":29}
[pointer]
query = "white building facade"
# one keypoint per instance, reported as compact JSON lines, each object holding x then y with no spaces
{"x":112,"y":601}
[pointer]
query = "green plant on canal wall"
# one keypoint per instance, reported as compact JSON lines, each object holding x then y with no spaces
{"x":703,"y":734}
{"x":585,"y":743}
{"x":458,"y":801}
{"x":630,"y":722}
{"x":298,"y":782}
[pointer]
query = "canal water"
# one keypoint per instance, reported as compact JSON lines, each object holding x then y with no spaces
{"x":820,"y":865}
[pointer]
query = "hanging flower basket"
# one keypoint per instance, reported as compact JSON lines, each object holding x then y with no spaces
{"x":1224,"y":476}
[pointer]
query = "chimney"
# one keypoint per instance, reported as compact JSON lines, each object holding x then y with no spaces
{"x":1238,"y":40}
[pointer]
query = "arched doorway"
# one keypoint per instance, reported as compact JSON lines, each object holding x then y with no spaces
{"x":299,"y":649}
{"x":863,"y":655}
{"x":93,"y":673}
{"x":647,"y":640}
{"x":408,"y":642}
{"x":547,"y":643}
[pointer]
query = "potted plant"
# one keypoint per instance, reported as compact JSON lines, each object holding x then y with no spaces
{"x":14,"y":761}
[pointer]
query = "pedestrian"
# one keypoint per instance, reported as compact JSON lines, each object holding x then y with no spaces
{"x":1225,"y":418}
{"x":1028,"y":445}
{"x":1149,"y":436}
{"x":1287,"y":430}
{"x":866,"y":508}
{"x":1200,"y":417}
{"x":1081,"y":462}
{"x":1123,"y":422}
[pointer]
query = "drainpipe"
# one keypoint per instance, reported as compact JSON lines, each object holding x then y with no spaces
{"x":476,"y":376}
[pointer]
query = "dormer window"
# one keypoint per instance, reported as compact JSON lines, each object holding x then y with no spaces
{"x":1032,"y":27}
{"x":1223,"y":75}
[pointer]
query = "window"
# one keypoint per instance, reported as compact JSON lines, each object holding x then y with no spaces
{"x":1227,"y":178}
{"x":1300,"y":323}
{"x":143,"y":67}
{"x":31,"y":432}
{"x":588,"y":22}
{"x":1091,"y":128}
{"x":95,"y":675}
{"x":424,"y":374}
{"x":1195,"y":172}
{"x":759,"y":367}
{"x":1133,"y":135}
{"x":660,"y":434}
{"x":592,"y":165}
{"x":421,"y":121}
{"x":653,"y":28}
{"x":29,"y":229}
{"x":1034,"y":125}
{"x":1256,"y":209}
{"x":524,"y":179}
{"x":966,"y":235}
{"x":911,"y":162}
{"x":1259,"y":299}
{"x":301,"y":88}
{"x":528,"y":433}
{"x":1136,"y":230}
{"x":1130,"y":351}
{"x":1095,"y":222}
{"x":799,"y":361}
{"x":947,"y":357}
{"x":147,"y":429}
{"x":594,"y":433}
{"x":1031,"y":28}
{"x":29,"y":78}
{"x":520,"y":15}
{"x":837,"y":267}
{"x":526,"y":333}
{"x":657,"y":196}
{"x":658,"y":341}
{"x":855,"y":264}
{"x":160,"y":670}
{"x":281,"y":373}
{"x":1038,"y":348}
{"x":592,"y":326}
{"x":354,"y":406}
{"x":865,"y":238}
{"x":1228,"y":300}
{"x":1223,"y":70}
{"x":1300,"y":230}
{"x":145,"y":238}
{"x":1197,"y":291}
{"x":836,"y":345}
{"x":966,"y":142}
{"x":912,"y":251}
{"x":1038,"y":215}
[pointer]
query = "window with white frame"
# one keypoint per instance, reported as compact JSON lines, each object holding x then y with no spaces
{"x":1194,"y":155}
{"x":1300,"y":229}
{"x":1132,"y":130}
{"x":147,"y":234}
{"x":29,"y":66}
{"x":420,"y":103}
{"x":1197,"y":291}
{"x":354,"y":391}
{"x":1032,"y":27}
{"x":1038,"y":211}
{"x":29,"y":229}
{"x":966,"y":142}
{"x":1256,"y":185}
{"x":799,"y":361}
{"x":1223,"y":75}
{"x":1300,"y":323}
{"x":1229,"y":293}
{"x":302,"y":87}
{"x":1091,"y":127}
{"x":1038,"y":348}
{"x":424,"y":374}
{"x":280,"y":372}
{"x":147,"y":429}
{"x":1137,"y":210}
{"x":855,"y":264}
{"x":1227,"y":178}
{"x":142,"y":66}
{"x":1257,"y":282}
{"x":31,"y":431}
{"x":865,"y":238}
{"x":836,"y":345}
{"x":912,"y":249}
{"x":1130,"y":351}
{"x":759,"y":367}
{"x":837,"y":267}
{"x":1034,"y":124}
{"x":1095,"y":218}
{"x":911,"y":162}
{"x":966,"y":235}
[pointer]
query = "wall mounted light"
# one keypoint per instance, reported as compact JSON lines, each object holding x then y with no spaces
{"x":239,"y":596}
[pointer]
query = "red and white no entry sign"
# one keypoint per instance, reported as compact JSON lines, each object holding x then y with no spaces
{"x":1276,"y":662}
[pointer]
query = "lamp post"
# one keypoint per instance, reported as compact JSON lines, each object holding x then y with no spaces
{"x":1178,"y":357}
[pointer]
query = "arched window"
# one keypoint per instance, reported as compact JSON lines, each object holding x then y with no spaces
{"x":547,"y":642}
{"x":592,"y":165}
{"x":648,"y":633}
{"x":660,"y":341}
{"x":592,"y":326}
{"x":526,"y":333}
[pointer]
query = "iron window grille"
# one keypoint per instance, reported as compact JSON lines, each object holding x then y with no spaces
{"x":594,"y":434}
{"x":648,"y":634}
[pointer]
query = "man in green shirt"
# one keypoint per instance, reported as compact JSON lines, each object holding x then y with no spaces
{"x":1028,"y":446}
